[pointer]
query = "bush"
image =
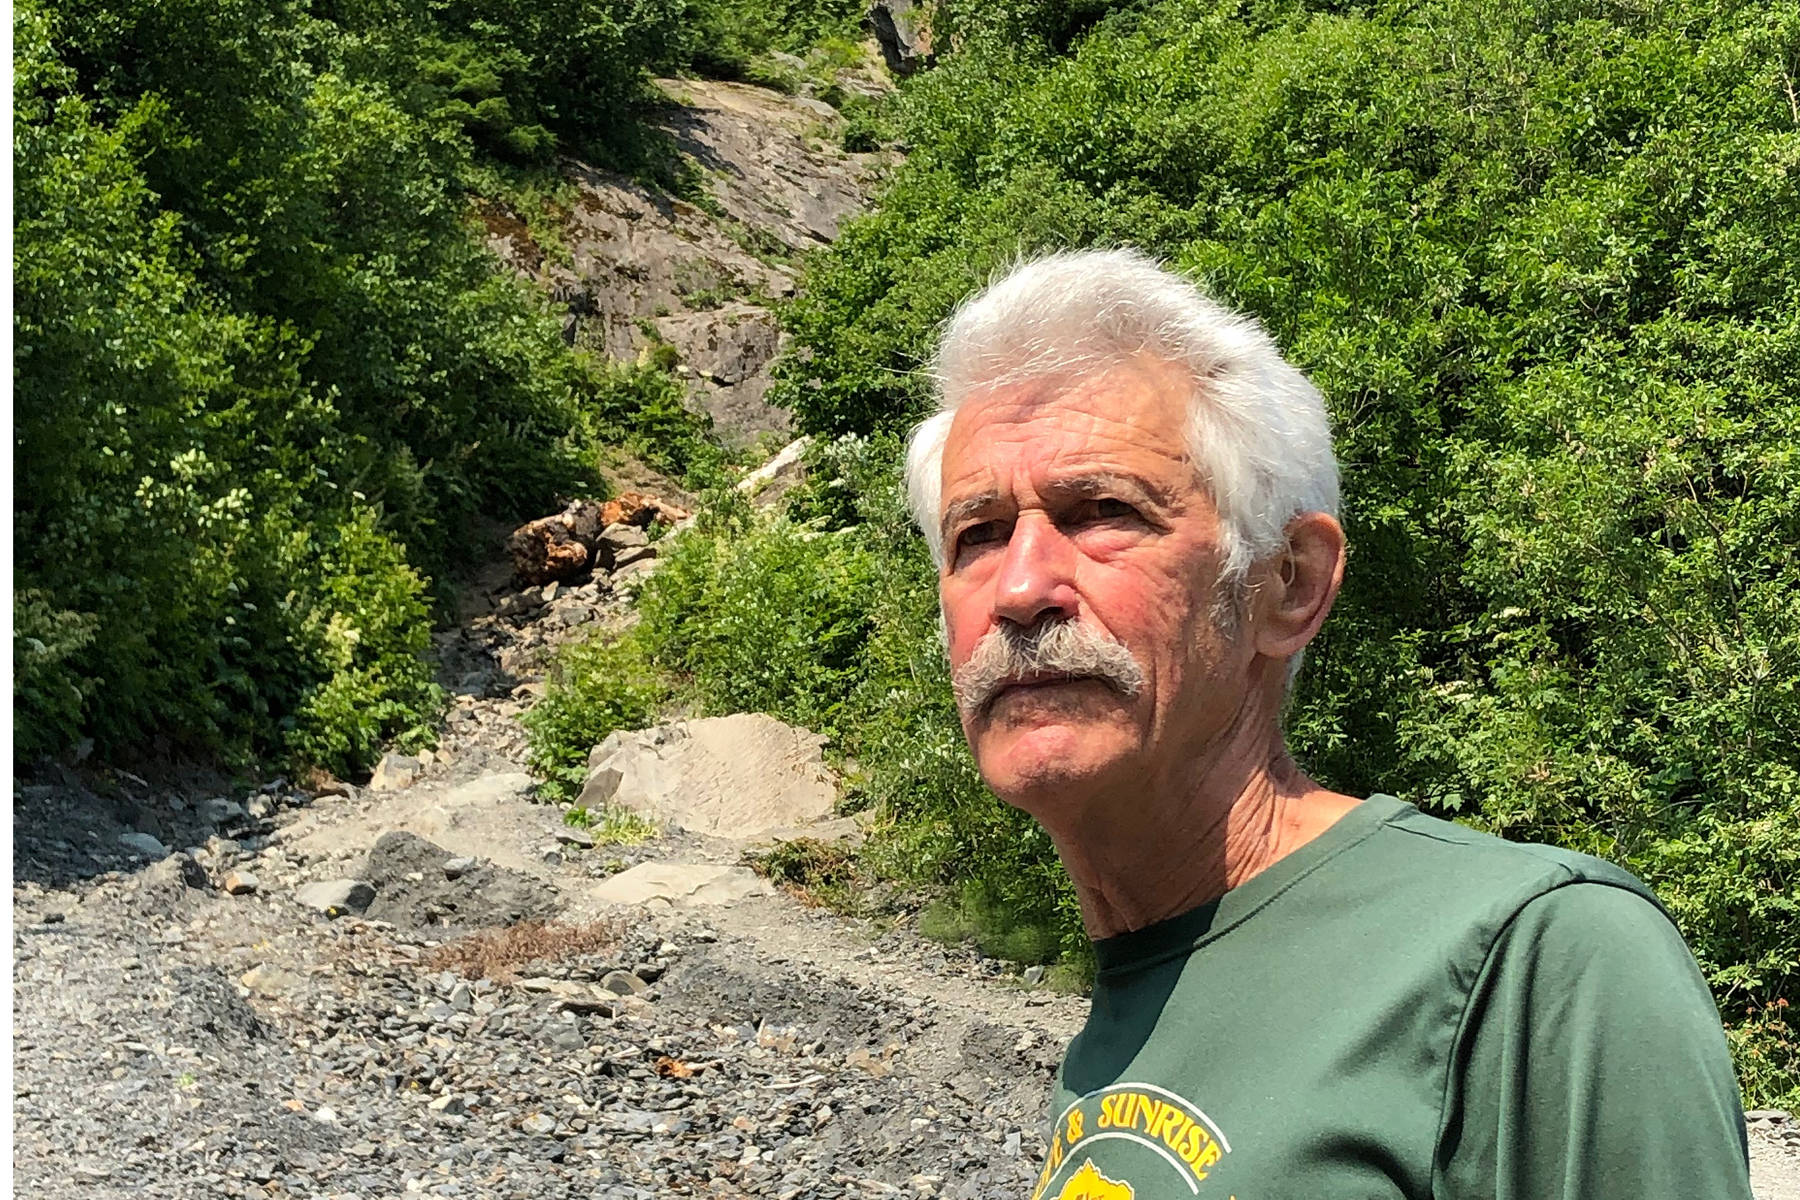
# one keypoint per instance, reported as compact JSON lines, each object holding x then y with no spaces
{"x":595,"y":687}
{"x":733,"y":40}
{"x":761,"y":615}
{"x":265,"y":376}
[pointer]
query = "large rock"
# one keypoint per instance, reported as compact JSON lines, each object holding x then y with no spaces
{"x":903,"y":30}
{"x":560,"y":548}
{"x":732,"y":777}
{"x":143,"y":845}
{"x":681,"y":884}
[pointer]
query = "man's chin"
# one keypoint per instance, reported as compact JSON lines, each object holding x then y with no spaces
{"x":1029,"y":764}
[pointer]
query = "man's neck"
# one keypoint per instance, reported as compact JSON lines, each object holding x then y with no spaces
{"x":1227,"y":818}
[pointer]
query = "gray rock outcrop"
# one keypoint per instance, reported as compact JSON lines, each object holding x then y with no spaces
{"x":903,"y":30}
{"x":733,"y":777}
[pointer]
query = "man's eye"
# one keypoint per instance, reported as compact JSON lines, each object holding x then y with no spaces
{"x":1107,"y":509}
{"x":978,"y":535}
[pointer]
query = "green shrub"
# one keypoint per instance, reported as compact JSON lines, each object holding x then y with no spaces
{"x":265,"y":375}
{"x":595,"y":687}
{"x":733,"y":40}
{"x":817,"y":873}
{"x":643,"y":407}
{"x":613,"y":826}
{"x":757,"y":614}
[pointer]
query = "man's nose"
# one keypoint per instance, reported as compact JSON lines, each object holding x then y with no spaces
{"x":1036,"y":581}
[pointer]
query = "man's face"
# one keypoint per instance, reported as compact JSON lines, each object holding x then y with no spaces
{"x":1076,"y":501}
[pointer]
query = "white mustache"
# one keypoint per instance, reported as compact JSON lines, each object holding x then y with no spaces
{"x":1008,"y":654}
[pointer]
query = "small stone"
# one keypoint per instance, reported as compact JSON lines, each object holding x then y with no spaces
{"x":335,"y":897}
{"x":267,"y":980}
{"x":325,"y":1115}
{"x":569,"y":835}
{"x":621,"y":536}
{"x":395,"y":771}
{"x":461,"y":998}
{"x":622,"y":983}
{"x":539,"y":1124}
{"x":450,"y":1106}
{"x":143,"y":845}
{"x":219,"y":810}
{"x":456,"y":868}
{"x":241,"y":883}
{"x":1034,"y":975}
{"x":633,"y":554}
{"x":632,"y":1006}
{"x":176,"y":871}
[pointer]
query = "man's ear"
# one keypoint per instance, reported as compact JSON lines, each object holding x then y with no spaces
{"x":1299,"y":585}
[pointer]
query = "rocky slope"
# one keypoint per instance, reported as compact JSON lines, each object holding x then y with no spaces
{"x":238,"y":1019}
{"x":634,"y":266}
{"x":296,"y":1038}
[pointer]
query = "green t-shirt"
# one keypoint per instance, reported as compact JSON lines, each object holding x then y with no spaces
{"x":1403,"y":1007}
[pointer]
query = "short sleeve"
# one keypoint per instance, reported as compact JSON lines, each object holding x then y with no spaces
{"x":1591,"y":1063}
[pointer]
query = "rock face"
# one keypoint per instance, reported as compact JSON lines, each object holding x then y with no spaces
{"x":643,"y":267}
{"x":733,"y":777}
{"x":904,"y":34}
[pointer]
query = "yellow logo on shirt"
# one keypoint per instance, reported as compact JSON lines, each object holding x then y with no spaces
{"x":1168,"y":1126}
{"x":1090,"y":1184}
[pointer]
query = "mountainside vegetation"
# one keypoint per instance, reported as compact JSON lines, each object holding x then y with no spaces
{"x":1543,"y":259}
{"x":265,"y":375}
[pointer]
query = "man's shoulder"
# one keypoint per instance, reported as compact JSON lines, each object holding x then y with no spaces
{"x":1464,"y":873}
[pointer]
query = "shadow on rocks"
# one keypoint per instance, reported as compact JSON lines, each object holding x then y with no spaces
{"x":413,"y":889}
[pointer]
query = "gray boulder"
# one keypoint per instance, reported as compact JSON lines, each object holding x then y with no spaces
{"x":903,"y":30}
{"x":335,"y":897}
{"x":143,"y":845}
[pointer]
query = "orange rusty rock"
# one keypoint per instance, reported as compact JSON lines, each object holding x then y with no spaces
{"x":567,"y":546}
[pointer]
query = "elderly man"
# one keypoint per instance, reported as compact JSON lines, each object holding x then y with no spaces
{"x":1300,"y":994}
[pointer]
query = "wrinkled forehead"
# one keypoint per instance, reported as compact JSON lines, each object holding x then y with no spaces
{"x":1128,"y":419}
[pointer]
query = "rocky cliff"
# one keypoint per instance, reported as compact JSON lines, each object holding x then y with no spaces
{"x":635,"y":266}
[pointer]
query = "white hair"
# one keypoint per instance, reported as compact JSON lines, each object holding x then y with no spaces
{"x":1257,"y":430}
